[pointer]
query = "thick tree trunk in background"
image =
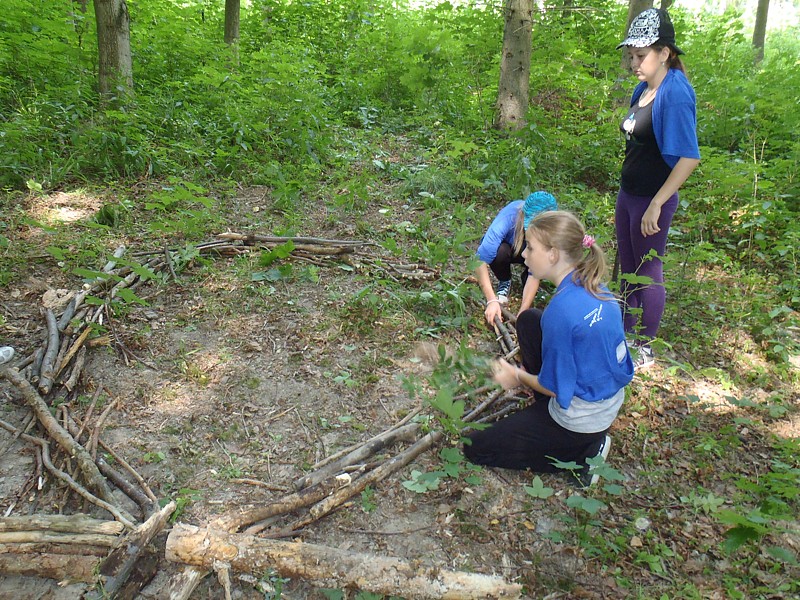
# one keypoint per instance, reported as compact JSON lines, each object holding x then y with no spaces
{"x":115,"y":76}
{"x":231,"y":21}
{"x":515,"y":65}
{"x":634,"y":8}
{"x":760,"y":29}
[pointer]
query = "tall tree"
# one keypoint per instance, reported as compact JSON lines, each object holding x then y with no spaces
{"x":515,"y":65}
{"x":637,"y":6}
{"x":232,"y":21}
{"x":115,"y":73}
{"x":760,"y":29}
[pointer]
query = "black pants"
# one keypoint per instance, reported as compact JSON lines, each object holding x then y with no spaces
{"x":501,"y":265}
{"x":529,"y":438}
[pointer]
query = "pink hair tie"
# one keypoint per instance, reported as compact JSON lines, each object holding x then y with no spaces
{"x":588,"y":241}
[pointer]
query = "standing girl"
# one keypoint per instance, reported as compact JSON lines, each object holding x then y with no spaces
{"x":661,"y":151}
{"x":574,"y":355}
{"x":501,"y":246}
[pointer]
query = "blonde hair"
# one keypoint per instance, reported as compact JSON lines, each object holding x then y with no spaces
{"x":519,"y":233}
{"x":562,"y":230}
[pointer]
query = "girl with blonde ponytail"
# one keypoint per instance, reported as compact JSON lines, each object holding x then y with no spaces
{"x":574,"y":358}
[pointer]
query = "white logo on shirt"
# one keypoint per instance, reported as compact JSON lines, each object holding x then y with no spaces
{"x":594,"y":315}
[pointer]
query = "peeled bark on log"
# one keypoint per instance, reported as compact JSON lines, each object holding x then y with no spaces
{"x":61,"y":523}
{"x":52,"y":566}
{"x":84,"y":539}
{"x":329,"y":567}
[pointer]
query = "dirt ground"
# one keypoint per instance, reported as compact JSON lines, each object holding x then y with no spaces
{"x":254,"y":383}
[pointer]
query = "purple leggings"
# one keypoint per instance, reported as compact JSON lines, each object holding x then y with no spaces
{"x":633,"y":251}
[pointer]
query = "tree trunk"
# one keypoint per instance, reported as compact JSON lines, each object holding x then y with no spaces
{"x":328,"y":567}
{"x":760,"y":29}
{"x":515,"y":66}
{"x":115,"y":76}
{"x":231,"y":21}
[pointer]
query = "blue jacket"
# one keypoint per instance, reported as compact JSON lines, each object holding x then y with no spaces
{"x":674,"y":117}
{"x":501,"y":230}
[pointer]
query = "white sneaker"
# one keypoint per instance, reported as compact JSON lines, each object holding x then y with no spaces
{"x":6,"y":354}
{"x":503,"y":288}
{"x":642,"y":357}
{"x":587,"y":477}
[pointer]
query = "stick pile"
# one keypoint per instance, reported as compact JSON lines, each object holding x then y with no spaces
{"x":119,"y":553}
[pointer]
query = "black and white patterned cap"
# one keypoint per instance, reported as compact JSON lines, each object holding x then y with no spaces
{"x":650,"y":27}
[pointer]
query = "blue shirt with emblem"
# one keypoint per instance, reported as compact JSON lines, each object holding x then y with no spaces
{"x":584,"y":354}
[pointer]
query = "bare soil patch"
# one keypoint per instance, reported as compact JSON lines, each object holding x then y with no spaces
{"x":256,"y":381}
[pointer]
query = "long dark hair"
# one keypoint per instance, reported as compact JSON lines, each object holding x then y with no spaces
{"x":674,"y":61}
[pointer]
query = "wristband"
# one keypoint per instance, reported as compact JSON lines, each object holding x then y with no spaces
{"x":488,"y":302}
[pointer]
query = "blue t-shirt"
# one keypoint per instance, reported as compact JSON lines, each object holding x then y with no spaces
{"x":581,"y":341}
{"x":501,"y":230}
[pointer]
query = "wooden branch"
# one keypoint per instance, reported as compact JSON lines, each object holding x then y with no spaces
{"x":252,"y":238}
{"x":120,"y":514}
{"x":77,"y":523}
{"x":88,"y":469}
{"x":392,"y":465}
{"x":101,"y":421}
{"x":133,"y":473}
{"x":75,"y":347}
{"x":370,"y":447}
{"x":48,"y":367}
{"x":235,"y":520}
{"x":144,"y":498}
{"x":116,"y":569}
{"x":36,"y":537}
{"x":72,"y":382}
{"x":329,"y":567}
{"x":54,"y":548}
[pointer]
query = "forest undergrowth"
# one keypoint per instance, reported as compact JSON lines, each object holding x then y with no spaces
{"x":374,"y":124}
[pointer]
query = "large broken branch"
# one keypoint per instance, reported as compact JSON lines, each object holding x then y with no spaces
{"x":116,"y":570}
{"x":329,"y":567}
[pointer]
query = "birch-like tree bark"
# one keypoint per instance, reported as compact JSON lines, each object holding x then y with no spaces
{"x":115,"y":74}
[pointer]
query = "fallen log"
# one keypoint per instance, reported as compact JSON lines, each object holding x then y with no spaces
{"x":323,"y":566}
{"x":63,"y":523}
{"x":53,"y":566}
